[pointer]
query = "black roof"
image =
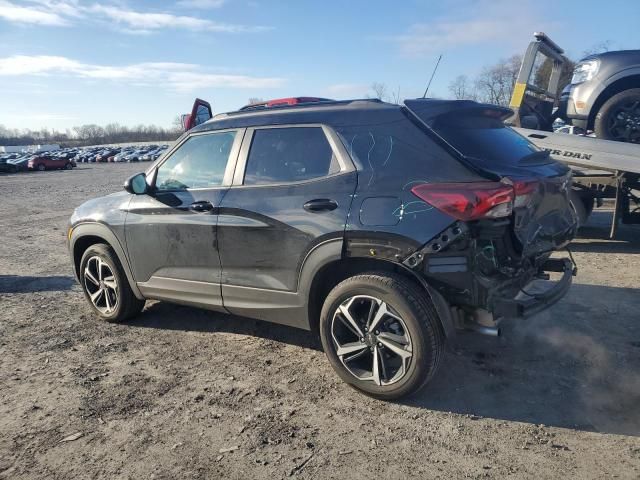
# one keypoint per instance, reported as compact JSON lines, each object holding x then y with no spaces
{"x":329,"y":112}
{"x":346,"y":112}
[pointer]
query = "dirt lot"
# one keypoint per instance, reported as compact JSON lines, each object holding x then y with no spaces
{"x":184,"y":393}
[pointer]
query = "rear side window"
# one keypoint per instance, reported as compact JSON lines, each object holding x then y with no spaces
{"x":284,"y":155}
{"x":200,"y":162}
{"x":485,"y":139}
{"x":399,"y":151}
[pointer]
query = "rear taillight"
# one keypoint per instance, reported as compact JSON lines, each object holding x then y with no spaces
{"x":469,"y":201}
{"x":524,"y":190}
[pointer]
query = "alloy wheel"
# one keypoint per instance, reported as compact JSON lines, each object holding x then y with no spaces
{"x":101,"y":285}
{"x":371,"y":340}
{"x":624,"y":122}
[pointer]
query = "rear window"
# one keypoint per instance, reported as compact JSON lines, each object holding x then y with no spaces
{"x":486,"y":139}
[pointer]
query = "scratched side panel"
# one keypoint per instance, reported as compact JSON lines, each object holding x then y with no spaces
{"x":393,"y":155}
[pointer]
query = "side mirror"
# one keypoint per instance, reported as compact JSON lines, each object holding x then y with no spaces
{"x":136,"y":184}
{"x":200,"y":113}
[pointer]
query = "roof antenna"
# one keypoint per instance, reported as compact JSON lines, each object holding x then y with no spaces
{"x":432,"y":75}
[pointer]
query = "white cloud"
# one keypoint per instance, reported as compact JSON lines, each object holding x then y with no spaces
{"x":473,"y":23}
{"x":155,"y":21}
{"x":201,"y":4}
{"x":175,"y":76}
{"x":30,"y":15}
{"x":65,"y":12}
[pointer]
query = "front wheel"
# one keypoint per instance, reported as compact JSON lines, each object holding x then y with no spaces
{"x":381,"y":334}
{"x":619,"y":117}
{"x":106,"y":286}
{"x":68,"y":166}
{"x":41,"y":167}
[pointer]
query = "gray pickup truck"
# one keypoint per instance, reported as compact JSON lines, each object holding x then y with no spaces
{"x":604,"y":96}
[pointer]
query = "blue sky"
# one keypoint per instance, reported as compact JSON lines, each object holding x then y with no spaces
{"x":69,"y":62}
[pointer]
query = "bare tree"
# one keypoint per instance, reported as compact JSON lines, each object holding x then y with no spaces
{"x":88,"y":135}
{"x":495,"y":83}
{"x":599,"y":47}
{"x":254,"y":100}
{"x":395,"y":97}
{"x":462,"y":89}
{"x":379,"y":90}
{"x":543,"y":73}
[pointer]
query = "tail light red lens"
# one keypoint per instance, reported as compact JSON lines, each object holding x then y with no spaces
{"x":469,"y":201}
{"x":524,"y":190}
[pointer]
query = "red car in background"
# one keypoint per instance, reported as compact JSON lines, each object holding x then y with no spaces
{"x":44,"y":162}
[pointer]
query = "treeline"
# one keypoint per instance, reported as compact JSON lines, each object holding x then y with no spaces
{"x":88,"y":135}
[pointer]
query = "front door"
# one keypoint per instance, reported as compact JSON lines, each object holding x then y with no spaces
{"x":171,"y":233}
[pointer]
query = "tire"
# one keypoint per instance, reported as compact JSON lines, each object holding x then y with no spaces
{"x":41,"y":167}
{"x":619,"y":117}
{"x":411,"y":317}
{"x":117,"y":302}
{"x":583,"y":206}
{"x":68,"y":166}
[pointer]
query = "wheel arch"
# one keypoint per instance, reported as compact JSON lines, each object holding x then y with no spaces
{"x":318,"y":285}
{"x":86,"y":234}
{"x":620,"y":85}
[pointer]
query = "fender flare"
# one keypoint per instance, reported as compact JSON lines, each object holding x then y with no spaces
{"x":332,"y":250}
{"x":100,"y":230}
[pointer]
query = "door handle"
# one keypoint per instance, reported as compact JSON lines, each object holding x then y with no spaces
{"x":320,"y":205}
{"x":201,"y":206}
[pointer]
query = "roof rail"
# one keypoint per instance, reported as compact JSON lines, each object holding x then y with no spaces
{"x":258,"y":108}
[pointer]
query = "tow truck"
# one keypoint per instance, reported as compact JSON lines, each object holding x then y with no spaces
{"x":602,"y":169}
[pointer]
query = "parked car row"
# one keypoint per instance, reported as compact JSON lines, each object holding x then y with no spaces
{"x":129,"y":153}
{"x":15,"y":162}
{"x":68,"y":158}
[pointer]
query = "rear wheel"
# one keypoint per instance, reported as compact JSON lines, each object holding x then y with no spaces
{"x":106,"y":286}
{"x":619,"y":117}
{"x":41,"y":167}
{"x":381,"y":334}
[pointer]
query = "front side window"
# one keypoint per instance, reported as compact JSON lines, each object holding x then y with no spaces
{"x":284,"y":155}
{"x":200,"y":162}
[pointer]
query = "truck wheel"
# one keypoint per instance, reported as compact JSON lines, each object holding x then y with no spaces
{"x":619,"y":117}
{"x":41,"y":167}
{"x":381,"y":334}
{"x":105,"y":285}
{"x":582,"y":205}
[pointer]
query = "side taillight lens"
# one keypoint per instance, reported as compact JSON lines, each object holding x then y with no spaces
{"x":469,"y":201}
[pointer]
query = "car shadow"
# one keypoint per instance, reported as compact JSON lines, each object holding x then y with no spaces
{"x":594,"y":236}
{"x":564,"y":367}
{"x":567,"y":367}
{"x":28,"y":284}
{"x":168,"y":316}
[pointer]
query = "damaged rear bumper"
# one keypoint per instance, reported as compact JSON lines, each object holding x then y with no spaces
{"x":528,"y":303}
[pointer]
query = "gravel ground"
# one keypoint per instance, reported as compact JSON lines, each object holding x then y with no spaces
{"x":184,"y":393}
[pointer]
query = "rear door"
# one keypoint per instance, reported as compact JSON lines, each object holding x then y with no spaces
{"x":292,"y":190}
{"x":171,"y":233}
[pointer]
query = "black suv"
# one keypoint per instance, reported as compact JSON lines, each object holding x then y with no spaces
{"x":383,"y":228}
